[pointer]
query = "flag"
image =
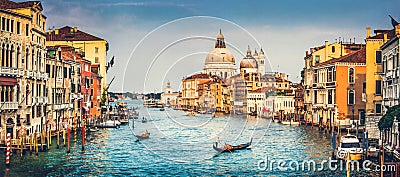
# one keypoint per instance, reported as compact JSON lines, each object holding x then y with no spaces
{"x":112,"y":62}
{"x":394,"y":22}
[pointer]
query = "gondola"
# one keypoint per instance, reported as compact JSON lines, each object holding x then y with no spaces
{"x":142,"y":136}
{"x":230,"y":148}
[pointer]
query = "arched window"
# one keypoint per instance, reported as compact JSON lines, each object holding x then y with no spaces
{"x":351,"y":97}
{"x":7,"y":56}
{"x":11,"y":56}
{"x":26,"y":58}
{"x":17,"y":57}
{"x":351,"y":75}
{"x":333,"y":49}
{"x":3,"y":59}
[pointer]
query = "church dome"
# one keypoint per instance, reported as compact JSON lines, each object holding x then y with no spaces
{"x":220,"y":54}
{"x":249,"y":61}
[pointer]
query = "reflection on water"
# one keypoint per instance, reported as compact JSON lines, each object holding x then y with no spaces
{"x":179,"y":145}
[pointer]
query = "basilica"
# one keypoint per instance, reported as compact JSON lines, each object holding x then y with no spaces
{"x":238,"y":90}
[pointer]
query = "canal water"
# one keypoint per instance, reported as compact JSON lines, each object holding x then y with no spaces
{"x":181,"y":146}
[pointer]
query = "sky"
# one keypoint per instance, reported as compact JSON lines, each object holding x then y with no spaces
{"x":158,"y":41}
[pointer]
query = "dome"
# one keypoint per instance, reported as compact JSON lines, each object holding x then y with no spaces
{"x":220,"y":55}
{"x":248,"y":63}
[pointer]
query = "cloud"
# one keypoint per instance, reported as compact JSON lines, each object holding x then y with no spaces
{"x":147,"y":3}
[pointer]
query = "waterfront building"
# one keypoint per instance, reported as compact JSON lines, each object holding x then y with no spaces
{"x":22,"y":68}
{"x":310,"y":75}
{"x":94,"y":48}
{"x":63,"y":88}
{"x":169,"y":97}
{"x":219,"y":92}
{"x":391,"y":69}
{"x":280,"y":106}
{"x":191,"y":90}
{"x":374,"y":92}
{"x":255,"y":100}
{"x":220,"y":61}
{"x":299,"y":101}
{"x":337,"y":91}
{"x":95,"y":87}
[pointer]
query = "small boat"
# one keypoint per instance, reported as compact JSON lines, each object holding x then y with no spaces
{"x":291,"y":123}
{"x":191,"y":114}
{"x":93,"y":129}
{"x":254,"y":113}
{"x":349,"y":148}
{"x":145,"y":135}
{"x":230,"y":148}
{"x":162,"y":109}
{"x":124,"y":121}
{"x":144,"y":120}
{"x":110,"y":124}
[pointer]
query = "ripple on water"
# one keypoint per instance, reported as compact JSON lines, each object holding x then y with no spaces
{"x":175,"y":150}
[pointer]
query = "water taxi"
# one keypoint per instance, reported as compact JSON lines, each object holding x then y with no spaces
{"x":291,"y":122}
{"x":191,"y":114}
{"x":349,"y":148}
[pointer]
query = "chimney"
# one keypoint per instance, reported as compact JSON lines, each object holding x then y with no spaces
{"x":75,"y":29}
{"x":397,"y":29}
{"x":385,"y":39}
{"x":368,"y":32}
{"x":56,"y":31}
{"x":326,"y":51}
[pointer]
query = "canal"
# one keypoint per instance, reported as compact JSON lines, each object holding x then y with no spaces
{"x":181,"y":145}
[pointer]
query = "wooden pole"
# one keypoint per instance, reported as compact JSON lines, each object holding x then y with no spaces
{"x":42,"y":140}
{"x":20,"y":145}
{"x":83,"y":135}
{"x":58,"y":138}
{"x":48,"y":139}
{"x":69,"y":138}
{"x":36,"y":142}
{"x":30,"y":142}
{"x":8,"y":141}
{"x":64,"y":137}
{"x":382,"y":158}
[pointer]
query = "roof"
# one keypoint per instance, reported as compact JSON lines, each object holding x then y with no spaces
{"x":7,"y":4}
{"x":355,"y":57}
{"x":68,"y":33}
{"x":380,"y":33}
{"x":198,"y":76}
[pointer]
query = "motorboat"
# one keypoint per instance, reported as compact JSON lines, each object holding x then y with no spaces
{"x":349,"y":148}
{"x":291,"y":123}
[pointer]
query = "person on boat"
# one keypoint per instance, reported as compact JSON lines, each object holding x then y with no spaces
{"x":217,"y":142}
{"x":147,"y":132}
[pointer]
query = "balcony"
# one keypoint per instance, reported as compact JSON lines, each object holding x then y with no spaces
{"x":59,"y":79}
{"x":39,"y":75}
{"x":364,"y":97}
{"x":11,"y":71}
{"x":29,"y":74}
{"x":45,"y":76}
{"x":9,"y":106}
{"x":34,"y":100}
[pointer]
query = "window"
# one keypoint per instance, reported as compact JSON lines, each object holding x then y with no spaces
{"x":330,"y":96}
{"x":351,"y":75}
{"x":12,"y":26}
{"x":96,"y":50}
{"x":378,"y":56}
{"x":378,"y":108}
{"x":3,"y":23}
{"x":351,"y":97}
{"x":96,"y":59}
{"x":330,"y":75}
{"x":333,"y":49}
{"x":315,"y":97}
{"x":18,"y":27}
{"x":26,"y":29}
{"x":364,"y":86}
{"x":317,"y":58}
{"x":378,"y":87}
{"x":8,"y":25}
